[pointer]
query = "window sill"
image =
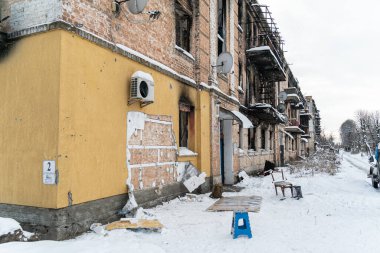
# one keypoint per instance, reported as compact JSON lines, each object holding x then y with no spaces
{"x":183,"y":151}
{"x":184,"y":52}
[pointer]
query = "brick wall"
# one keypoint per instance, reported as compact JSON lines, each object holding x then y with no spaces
{"x":28,"y":13}
{"x":153,"y":39}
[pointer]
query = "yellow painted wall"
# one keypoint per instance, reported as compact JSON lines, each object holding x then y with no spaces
{"x":66,"y":99}
{"x":29,"y":84}
{"x":93,"y":108}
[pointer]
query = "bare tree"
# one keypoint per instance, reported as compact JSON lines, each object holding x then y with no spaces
{"x":349,"y":135}
{"x":369,"y":129}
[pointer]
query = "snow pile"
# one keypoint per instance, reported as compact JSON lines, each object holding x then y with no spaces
{"x":322,"y":161}
{"x":8,"y":226}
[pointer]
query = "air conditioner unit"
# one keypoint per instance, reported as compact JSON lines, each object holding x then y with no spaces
{"x":142,"y":87}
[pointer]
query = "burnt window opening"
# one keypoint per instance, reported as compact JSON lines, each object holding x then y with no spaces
{"x":222,"y":6}
{"x":252,"y":138}
{"x":186,"y":124}
{"x":263,"y":139}
{"x":183,"y":19}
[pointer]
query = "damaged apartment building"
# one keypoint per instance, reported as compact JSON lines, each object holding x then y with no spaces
{"x":109,"y":105}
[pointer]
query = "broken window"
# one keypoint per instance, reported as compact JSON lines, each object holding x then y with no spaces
{"x":221,"y":26}
{"x":184,"y":115}
{"x":271,"y":140}
{"x":252,"y":138}
{"x":240,"y":12}
{"x":248,"y":33}
{"x":186,"y":124}
{"x":263,"y":139}
{"x":183,"y":19}
{"x":240,"y":75}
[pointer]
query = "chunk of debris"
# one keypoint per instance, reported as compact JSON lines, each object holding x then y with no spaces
{"x":191,"y":198}
{"x":194,"y":182}
{"x":243,"y":175}
{"x":98,"y":229}
{"x":217,"y":191}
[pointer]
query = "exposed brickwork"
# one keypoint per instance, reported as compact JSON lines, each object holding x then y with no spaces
{"x":154,"y":39}
{"x":153,"y":153}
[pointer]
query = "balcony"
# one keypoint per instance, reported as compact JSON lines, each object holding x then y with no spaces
{"x":305,"y":115}
{"x":292,"y":95}
{"x":267,"y":62}
{"x":265,"y":113}
{"x":294,"y":130}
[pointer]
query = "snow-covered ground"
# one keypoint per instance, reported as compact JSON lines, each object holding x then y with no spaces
{"x":337,"y":214}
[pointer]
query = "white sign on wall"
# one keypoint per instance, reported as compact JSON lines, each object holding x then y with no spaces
{"x":48,"y":172}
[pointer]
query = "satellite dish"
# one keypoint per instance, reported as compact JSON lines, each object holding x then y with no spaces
{"x":281,"y":108}
{"x":136,"y":6}
{"x":282,"y":96}
{"x":224,"y":63}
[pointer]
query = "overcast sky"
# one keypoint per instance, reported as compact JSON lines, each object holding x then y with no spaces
{"x":334,"y":47}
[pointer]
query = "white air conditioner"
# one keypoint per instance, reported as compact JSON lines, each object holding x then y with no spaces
{"x":142,"y":87}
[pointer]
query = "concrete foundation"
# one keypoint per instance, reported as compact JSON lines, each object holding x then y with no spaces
{"x":65,"y":223}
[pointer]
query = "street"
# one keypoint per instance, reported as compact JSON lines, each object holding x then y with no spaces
{"x":337,"y":214}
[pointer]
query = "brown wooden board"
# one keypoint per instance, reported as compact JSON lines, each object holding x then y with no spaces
{"x":237,"y":203}
{"x":153,"y":225}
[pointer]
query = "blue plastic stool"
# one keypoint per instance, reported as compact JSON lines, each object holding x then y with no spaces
{"x":244,"y":229}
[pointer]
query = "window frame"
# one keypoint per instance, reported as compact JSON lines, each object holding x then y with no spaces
{"x":222,"y":26}
{"x":183,"y":36}
{"x":252,"y":139}
{"x":263,"y":143}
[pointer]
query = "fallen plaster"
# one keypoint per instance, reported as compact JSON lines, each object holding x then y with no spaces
{"x":164,"y":157}
{"x":135,"y":121}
